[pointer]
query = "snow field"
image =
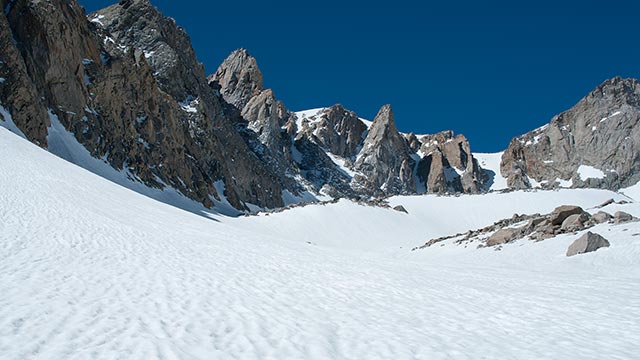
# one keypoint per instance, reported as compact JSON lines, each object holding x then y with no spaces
{"x":91,"y":270}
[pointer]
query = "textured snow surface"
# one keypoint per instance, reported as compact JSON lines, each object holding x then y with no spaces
{"x":92,"y":270}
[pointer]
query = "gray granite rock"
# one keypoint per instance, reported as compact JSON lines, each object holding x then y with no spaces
{"x":601,"y":217}
{"x":575,"y":222}
{"x":621,"y":217}
{"x":588,"y":242}
{"x":560,"y":213}
{"x":503,"y":236}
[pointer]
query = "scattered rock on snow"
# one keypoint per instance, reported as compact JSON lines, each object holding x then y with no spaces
{"x":400,"y":208}
{"x":587,"y":243}
{"x":608,"y":202}
{"x":564,"y":219}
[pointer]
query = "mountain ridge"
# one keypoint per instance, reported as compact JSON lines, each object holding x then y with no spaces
{"x":131,"y":90}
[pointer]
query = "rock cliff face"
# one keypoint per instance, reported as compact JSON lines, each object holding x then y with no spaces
{"x":594,"y":144}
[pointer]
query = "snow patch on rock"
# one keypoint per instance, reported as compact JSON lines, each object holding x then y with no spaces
{"x":589,"y":172}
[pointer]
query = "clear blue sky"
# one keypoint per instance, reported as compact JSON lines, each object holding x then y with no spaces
{"x":489,"y":70}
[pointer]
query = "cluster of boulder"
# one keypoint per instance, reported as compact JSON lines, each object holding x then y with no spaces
{"x":564,"y":219}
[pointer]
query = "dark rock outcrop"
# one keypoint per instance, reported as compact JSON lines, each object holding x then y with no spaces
{"x":400,"y":208}
{"x":17,"y":91}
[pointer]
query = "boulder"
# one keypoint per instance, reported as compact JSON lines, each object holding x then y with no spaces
{"x":587,"y":243}
{"x":562,"y":212}
{"x":545,"y":227}
{"x":575,"y":222}
{"x":621,"y":217}
{"x":601,"y":217}
{"x":503,"y":236}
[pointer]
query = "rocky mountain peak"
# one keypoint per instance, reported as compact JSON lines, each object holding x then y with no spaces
{"x":238,"y":78}
{"x":128,"y":3}
{"x":338,"y":130}
{"x":618,"y":90}
{"x":385,"y":157}
{"x":596,"y":143}
{"x":384,"y":124}
{"x":166,"y":47}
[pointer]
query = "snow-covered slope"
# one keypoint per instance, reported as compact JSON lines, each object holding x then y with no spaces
{"x":91,"y":270}
{"x":490,"y":163}
{"x":633,"y":192}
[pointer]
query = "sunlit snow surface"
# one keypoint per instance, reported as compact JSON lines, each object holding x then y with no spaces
{"x":91,"y":270}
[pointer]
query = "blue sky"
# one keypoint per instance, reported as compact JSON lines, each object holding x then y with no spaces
{"x":489,"y":70}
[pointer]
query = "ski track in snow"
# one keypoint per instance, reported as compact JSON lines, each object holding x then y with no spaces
{"x":91,"y":270}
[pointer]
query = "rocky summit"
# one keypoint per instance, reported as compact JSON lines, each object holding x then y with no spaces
{"x":385,"y":160}
{"x":594,"y":144}
{"x":125,"y":82}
